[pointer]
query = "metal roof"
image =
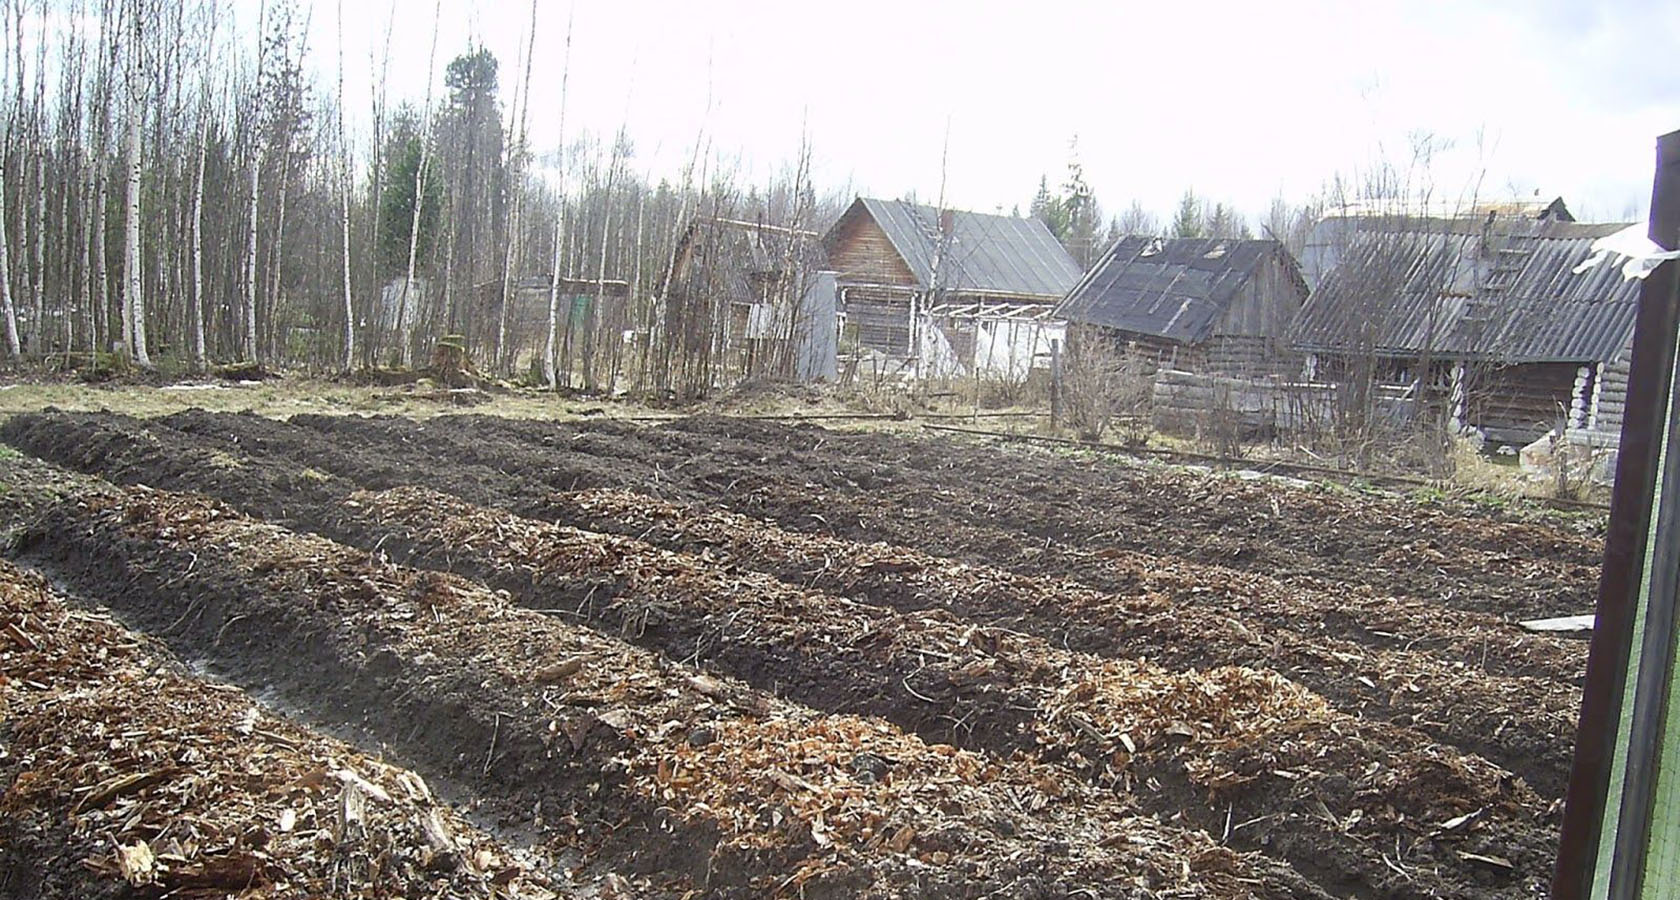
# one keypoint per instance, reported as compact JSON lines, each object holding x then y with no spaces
{"x":1502,"y":290}
{"x":1170,"y":288}
{"x":1004,"y":255}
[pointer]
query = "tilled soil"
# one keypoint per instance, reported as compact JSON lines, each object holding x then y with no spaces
{"x":1234,"y":740}
{"x":1431,"y":551}
{"x":1364,"y":730}
{"x":682,"y":781}
{"x":126,"y":775}
{"x":1468,"y":679}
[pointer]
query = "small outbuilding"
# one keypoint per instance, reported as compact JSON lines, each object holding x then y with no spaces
{"x":1493,"y":315}
{"x":932,"y":291}
{"x":746,"y":299}
{"x":1207,"y":305}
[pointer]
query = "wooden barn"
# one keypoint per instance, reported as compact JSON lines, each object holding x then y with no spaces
{"x":959,"y":291}
{"x":1208,"y":305}
{"x":1488,"y":314}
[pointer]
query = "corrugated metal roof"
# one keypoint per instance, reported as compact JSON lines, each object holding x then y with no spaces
{"x":987,"y":254}
{"x":1175,"y":289}
{"x":1500,"y":290}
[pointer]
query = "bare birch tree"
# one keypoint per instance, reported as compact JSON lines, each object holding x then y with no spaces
{"x":200,"y":357}
{"x":515,"y":175}
{"x":551,"y":346}
{"x":404,"y":332}
{"x":248,"y":345}
{"x":12,"y":344}
{"x":134,"y":300}
{"x":346,"y":186}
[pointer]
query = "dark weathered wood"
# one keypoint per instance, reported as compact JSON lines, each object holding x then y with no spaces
{"x":1649,"y":388}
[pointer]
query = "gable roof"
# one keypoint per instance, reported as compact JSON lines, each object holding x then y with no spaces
{"x":1171,"y":288}
{"x":1501,"y":290}
{"x":1005,"y":255}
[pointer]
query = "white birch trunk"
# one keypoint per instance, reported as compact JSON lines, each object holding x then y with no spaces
{"x":101,"y":261}
{"x":37,"y":247}
{"x":199,"y":356}
{"x":517,"y":158}
{"x":405,"y":331}
{"x":594,"y":336}
{"x":344,"y":206}
{"x":349,"y":302}
{"x":550,"y":371}
{"x":248,"y":344}
{"x":134,"y":301}
{"x":551,"y":347}
{"x":248,"y":341}
{"x":13,"y":346}
{"x":90,"y":293}
{"x":276,"y":253}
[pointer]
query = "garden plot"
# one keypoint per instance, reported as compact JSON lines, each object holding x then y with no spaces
{"x":1334,"y":729}
{"x":673,"y":780}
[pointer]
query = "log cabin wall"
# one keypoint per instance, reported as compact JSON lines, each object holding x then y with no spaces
{"x":1518,"y":404}
{"x":878,"y":317}
{"x":1610,"y":395}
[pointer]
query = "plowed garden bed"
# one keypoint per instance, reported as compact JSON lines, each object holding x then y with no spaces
{"x":743,"y":659}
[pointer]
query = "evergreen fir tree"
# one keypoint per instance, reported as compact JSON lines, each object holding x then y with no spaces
{"x":1188,"y":223}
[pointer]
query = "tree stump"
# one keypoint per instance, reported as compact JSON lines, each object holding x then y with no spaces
{"x":449,"y":361}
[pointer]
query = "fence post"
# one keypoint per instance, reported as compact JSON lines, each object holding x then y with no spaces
{"x":1635,"y":507}
{"x":1055,"y":383}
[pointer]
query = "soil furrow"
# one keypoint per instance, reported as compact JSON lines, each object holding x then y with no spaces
{"x":1360,"y":615}
{"x":868,"y":660}
{"x":907,"y":578}
{"x":124,"y":775}
{"x":1440,"y":554}
{"x":692,"y":780}
{"x":1522,"y":723}
{"x":1230,"y":741}
{"x":1044,"y":535}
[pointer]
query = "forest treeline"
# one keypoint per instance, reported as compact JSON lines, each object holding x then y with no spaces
{"x":179,"y":193}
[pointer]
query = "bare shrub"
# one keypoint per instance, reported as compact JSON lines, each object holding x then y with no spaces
{"x":1220,"y":429}
{"x":997,"y":390}
{"x":1103,"y":385}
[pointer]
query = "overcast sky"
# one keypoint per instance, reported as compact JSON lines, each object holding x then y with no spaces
{"x":1240,"y":101}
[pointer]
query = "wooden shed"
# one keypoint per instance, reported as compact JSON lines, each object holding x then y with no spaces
{"x":1495,"y":316}
{"x":1209,"y":305}
{"x":918,"y":282}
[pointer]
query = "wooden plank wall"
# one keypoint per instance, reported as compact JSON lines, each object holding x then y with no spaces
{"x":1191,"y":402}
{"x":861,"y":253}
{"x":879,"y":318}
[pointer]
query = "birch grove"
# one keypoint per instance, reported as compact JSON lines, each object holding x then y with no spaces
{"x":180,"y":189}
